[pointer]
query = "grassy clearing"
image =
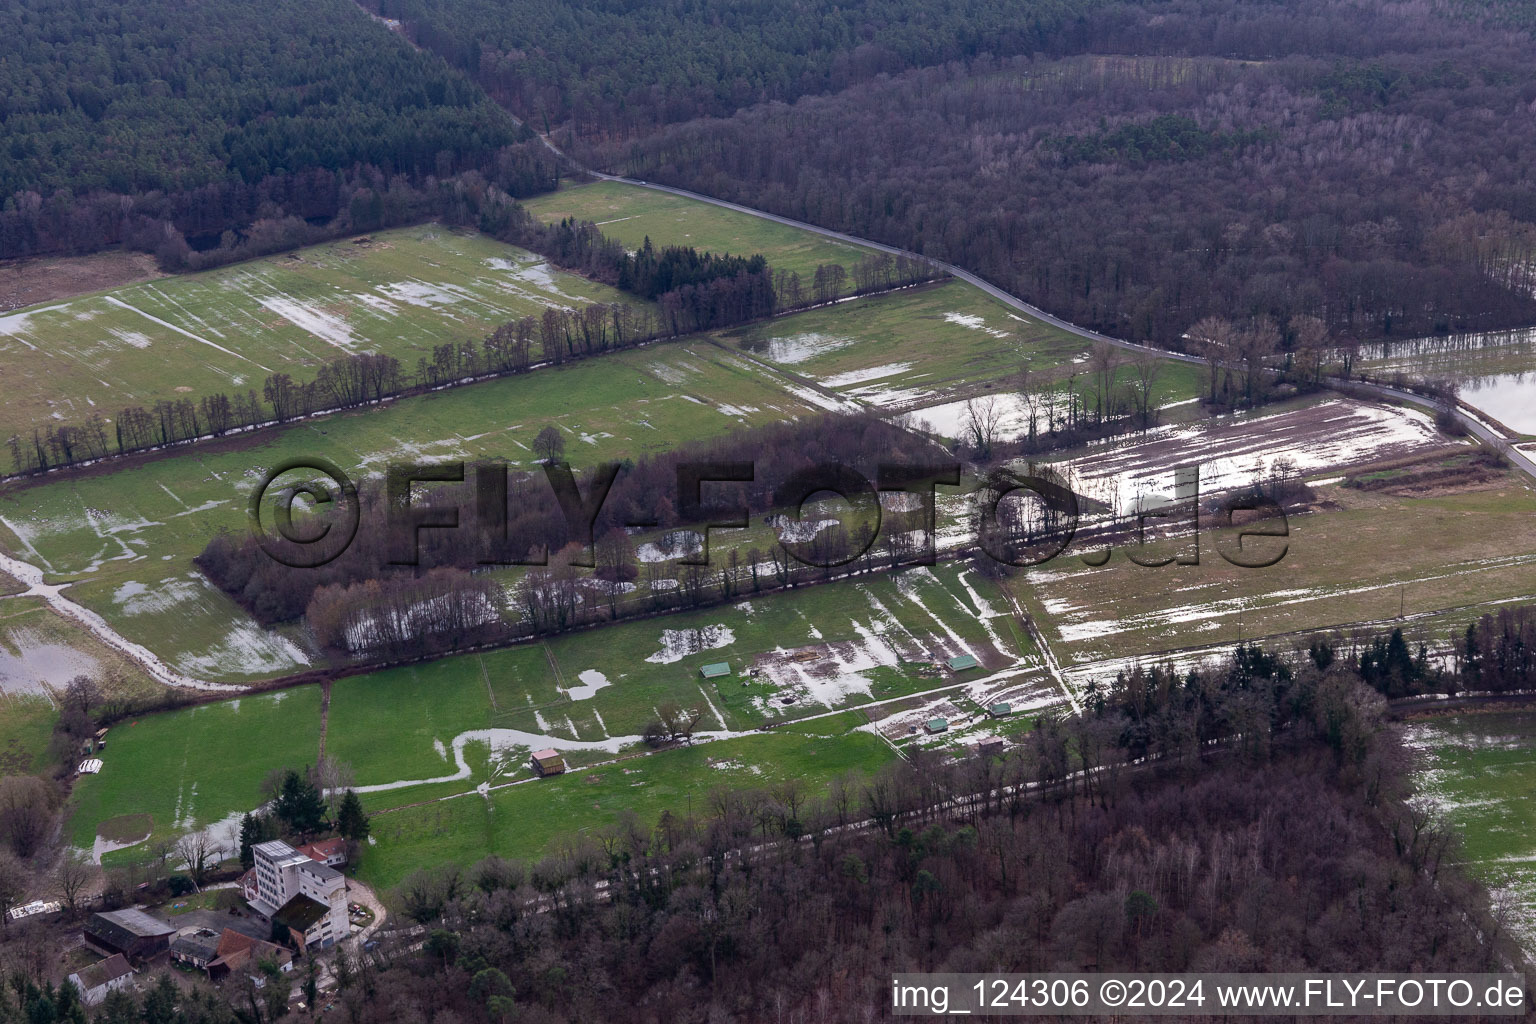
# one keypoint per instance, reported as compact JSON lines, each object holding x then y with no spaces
{"x":384,"y":724}
{"x":401,"y":724}
{"x":1346,"y":564}
{"x":908,"y":348}
{"x":631,"y":214}
{"x":26,"y":725}
{"x":197,"y":767}
{"x":133,"y":532}
{"x":531,"y":819}
{"x":1480,"y":770}
{"x":401,"y":292}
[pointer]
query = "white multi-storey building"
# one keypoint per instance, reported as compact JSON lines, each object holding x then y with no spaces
{"x":295,"y":890}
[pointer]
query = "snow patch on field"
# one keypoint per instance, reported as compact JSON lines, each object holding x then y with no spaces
{"x":842,"y":380}
{"x":424,"y":293}
{"x":139,"y":598}
{"x":135,"y":339}
{"x":802,"y":531}
{"x":328,"y":327}
{"x":812,"y":397}
{"x":797,"y":348}
{"x":974,"y":322}
{"x":886,"y":397}
{"x":246,"y":650}
{"x":1232,"y":451}
{"x":671,"y":546}
{"x":591,"y":681}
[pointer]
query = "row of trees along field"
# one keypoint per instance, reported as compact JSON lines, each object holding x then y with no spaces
{"x":360,"y":603}
{"x":1294,"y":841}
{"x":1366,"y":164}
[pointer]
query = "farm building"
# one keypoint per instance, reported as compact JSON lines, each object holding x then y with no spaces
{"x":237,"y":952}
{"x":1000,"y":709}
{"x":716,"y":669}
{"x":961,"y":662}
{"x":936,"y":725}
{"x":130,"y":932}
{"x":327,"y":851}
{"x":97,"y":980}
{"x":196,"y":948}
{"x":307,"y":922}
{"x":547,"y":762}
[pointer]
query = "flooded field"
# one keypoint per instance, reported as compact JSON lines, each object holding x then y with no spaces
{"x":1494,"y":372}
{"x":1232,"y":451}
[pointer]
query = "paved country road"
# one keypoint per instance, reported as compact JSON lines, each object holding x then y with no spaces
{"x":1520,"y":460}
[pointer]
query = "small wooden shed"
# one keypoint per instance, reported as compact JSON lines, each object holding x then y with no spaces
{"x":547,"y":762}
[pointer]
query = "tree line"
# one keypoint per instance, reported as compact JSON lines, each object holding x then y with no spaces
{"x":618,"y":71}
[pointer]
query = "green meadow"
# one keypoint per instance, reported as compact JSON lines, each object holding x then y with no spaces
{"x":402,"y":731}
{"x":910,"y":347}
{"x":1479,"y":771}
{"x":1344,"y":564}
{"x":632,"y":214}
{"x":198,"y":767}
{"x":401,"y":292}
{"x":537,"y":817}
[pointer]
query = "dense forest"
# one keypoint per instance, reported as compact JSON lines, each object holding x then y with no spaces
{"x":622,"y":67}
{"x":155,"y":120}
{"x":166,"y":96}
{"x":1367,"y":164}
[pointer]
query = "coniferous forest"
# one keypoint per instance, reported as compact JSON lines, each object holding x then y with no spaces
{"x":163,"y":125}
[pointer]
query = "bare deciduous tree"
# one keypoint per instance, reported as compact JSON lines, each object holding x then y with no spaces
{"x":983,"y":419}
{"x":1147,"y":367}
{"x":1212,"y":339}
{"x":71,"y":877}
{"x":199,"y":852}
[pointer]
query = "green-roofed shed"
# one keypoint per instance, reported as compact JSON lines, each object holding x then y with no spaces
{"x":937,"y":725}
{"x":962,"y":662}
{"x":1000,"y":709}
{"x":716,"y":669}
